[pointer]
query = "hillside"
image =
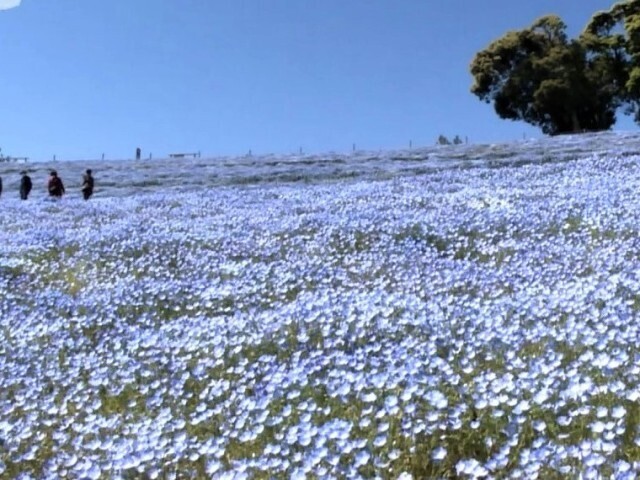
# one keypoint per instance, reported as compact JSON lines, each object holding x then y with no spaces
{"x":124,"y":177}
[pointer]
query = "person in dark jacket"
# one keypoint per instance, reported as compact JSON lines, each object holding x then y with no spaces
{"x":0,"y":185}
{"x":87,"y":184}
{"x":25,"y":185}
{"x":55,"y":185}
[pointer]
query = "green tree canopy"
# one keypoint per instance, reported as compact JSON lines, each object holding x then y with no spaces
{"x":612,"y":39}
{"x":541,"y":76}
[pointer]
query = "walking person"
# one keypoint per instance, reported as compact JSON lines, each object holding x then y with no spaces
{"x":25,"y":185}
{"x":55,"y":185}
{"x":87,"y":184}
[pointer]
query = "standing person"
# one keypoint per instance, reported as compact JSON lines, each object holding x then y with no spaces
{"x":0,"y":185}
{"x":138,"y":153}
{"x":87,"y":184}
{"x":55,"y":186}
{"x":25,"y":185}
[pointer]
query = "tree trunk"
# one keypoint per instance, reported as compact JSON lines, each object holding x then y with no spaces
{"x":575,"y":122}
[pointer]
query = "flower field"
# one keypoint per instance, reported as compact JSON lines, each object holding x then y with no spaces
{"x":459,"y":323}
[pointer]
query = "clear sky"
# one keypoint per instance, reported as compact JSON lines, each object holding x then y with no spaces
{"x":79,"y":78}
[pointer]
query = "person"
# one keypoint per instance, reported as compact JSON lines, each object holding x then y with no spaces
{"x":25,"y":185}
{"x":55,"y":186}
{"x":87,"y":184}
{"x":0,"y":185}
{"x":138,"y":153}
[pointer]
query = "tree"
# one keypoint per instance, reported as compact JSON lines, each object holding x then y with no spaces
{"x":442,"y":140}
{"x":612,"y":40}
{"x":546,"y":79}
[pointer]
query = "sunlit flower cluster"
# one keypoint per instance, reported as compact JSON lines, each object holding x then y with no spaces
{"x":472,"y":322}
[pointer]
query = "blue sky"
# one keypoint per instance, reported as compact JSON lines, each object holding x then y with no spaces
{"x":79,"y":78}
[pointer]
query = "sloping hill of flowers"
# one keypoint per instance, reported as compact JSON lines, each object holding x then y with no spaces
{"x":458,"y":323}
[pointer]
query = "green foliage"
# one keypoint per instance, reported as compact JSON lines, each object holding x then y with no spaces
{"x":442,"y":140}
{"x":564,"y":85}
{"x":613,"y":39}
{"x":541,"y":76}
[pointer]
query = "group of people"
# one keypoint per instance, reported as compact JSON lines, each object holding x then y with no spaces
{"x":55,"y":187}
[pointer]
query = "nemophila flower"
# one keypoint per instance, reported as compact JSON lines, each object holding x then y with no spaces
{"x":602,"y":412}
{"x":633,"y":395}
{"x":563,"y":421}
{"x":439,"y":454}
{"x":623,"y":467}
{"x":93,"y":472}
{"x":365,"y":422}
{"x":598,"y":427}
{"x":361,"y":458}
{"x":171,"y":319}
{"x":470,"y":467}
{"x":539,"y":426}
{"x":618,"y":412}
{"x":437,"y":399}
{"x":71,"y":461}
{"x":369,"y":397}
